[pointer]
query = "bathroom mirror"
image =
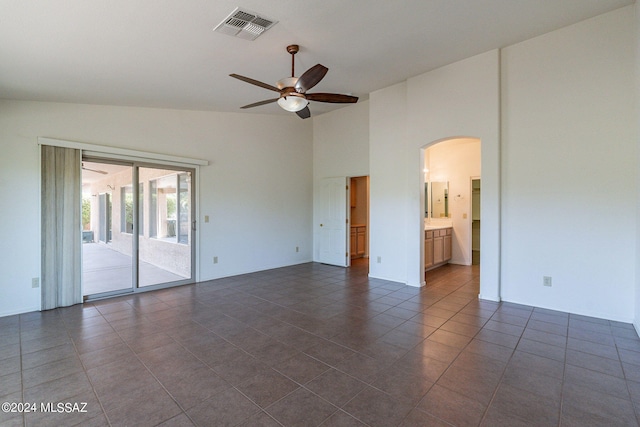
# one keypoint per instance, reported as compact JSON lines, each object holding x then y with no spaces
{"x":440,"y":200}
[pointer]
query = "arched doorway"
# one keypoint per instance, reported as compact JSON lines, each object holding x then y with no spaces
{"x":450,"y":166}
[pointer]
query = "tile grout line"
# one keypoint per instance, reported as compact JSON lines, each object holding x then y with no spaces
{"x":495,"y":392}
{"x":84,"y":368}
{"x":636,"y":407}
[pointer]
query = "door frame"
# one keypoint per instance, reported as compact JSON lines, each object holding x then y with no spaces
{"x":349,"y":195}
{"x":135,"y":165}
{"x":194,"y":228}
{"x":318,"y":217}
{"x":103,"y":151}
{"x":423,"y":180}
{"x":471,"y":179}
{"x":341,"y":184}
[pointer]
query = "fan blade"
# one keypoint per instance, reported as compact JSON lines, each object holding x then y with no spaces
{"x":305,"y":113}
{"x":310,"y":78}
{"x":95,"y":170}
{"x":257,"y":104}
{"x":336,"y":98}
{"x":254,"y":82}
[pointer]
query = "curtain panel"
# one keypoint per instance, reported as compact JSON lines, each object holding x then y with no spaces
{"x":61,"y":227}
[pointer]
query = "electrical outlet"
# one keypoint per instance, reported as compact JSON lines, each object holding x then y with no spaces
{"x":464,"y":216}
{"x":35,"y":282}
{"x":546,"y":280}
{"x":297,"y":249}
{"x":215,"y":259}
{"x":206,"y":218}
{"x":379,"y":259}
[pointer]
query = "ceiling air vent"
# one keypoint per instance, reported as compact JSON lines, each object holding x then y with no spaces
{"x":244,"y":24}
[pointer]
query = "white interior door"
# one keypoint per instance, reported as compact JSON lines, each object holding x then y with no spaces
{"x":332,"y":226}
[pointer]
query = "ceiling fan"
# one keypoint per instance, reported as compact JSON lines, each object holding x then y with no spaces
{"x":94,"y":170}
{"x":293,"y":90}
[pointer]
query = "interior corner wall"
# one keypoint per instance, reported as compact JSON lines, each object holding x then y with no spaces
{"x":459,"y":100}
{"x":257,"y":189}
{"x":570,"y":166}
{"x":388,"y":183}
{"x":340,"y":148}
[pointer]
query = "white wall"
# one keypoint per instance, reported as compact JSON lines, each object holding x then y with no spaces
{"x":257,"y":189}
{"x":568,"y":144}
{"x":569,"y":137}
{"x":564,"y":103}
{"x":388,"y":193}
{"x":637,"y":137}
{"x":460,"y":99}
{"x":456,"y":161}
{"x":340,"y":148}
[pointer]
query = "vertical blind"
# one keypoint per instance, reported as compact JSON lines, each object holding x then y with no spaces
{"x":61,"y":227}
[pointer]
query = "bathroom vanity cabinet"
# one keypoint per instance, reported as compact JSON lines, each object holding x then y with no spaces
{"x":437,"y":247}
{"x":358,"y":240}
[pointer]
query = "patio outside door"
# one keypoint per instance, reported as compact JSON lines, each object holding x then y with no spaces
{"x":165,"y":228}
{"x":135,"y":235}
{"x":106,"y":252}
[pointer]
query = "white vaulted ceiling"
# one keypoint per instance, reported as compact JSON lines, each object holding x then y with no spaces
{"x":164,"y":53}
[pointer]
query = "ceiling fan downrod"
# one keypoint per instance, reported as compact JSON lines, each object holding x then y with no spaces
{"x":293,"y":49}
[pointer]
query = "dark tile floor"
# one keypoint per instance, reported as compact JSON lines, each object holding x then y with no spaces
{"x":319,"y":345}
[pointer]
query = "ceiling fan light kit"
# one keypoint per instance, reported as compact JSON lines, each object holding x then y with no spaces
{"x":292,"y":103}
{"x":293,"y":90}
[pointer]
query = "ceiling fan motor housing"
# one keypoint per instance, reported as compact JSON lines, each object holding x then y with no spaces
{"x":287,"y":82}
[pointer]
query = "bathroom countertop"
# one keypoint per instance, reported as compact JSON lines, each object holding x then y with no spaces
{"x":436,"y":227}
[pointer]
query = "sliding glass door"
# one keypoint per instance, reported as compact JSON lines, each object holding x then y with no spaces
{"x":106,"y":252}
{"x":165,"y":249}
{"x":136,"y":235}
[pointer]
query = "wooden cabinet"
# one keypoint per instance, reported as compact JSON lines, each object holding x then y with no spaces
{"x":361,"y":238}
{"x":438,"y":250}
{"x":353,"y":242}
{"x":358,"y":238}
{"x":437,"y":247}
{"x":428,"y":250}
{"x":447,"y":246}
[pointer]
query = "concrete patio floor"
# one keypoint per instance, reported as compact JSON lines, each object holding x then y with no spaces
{"x":106,"y":270}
